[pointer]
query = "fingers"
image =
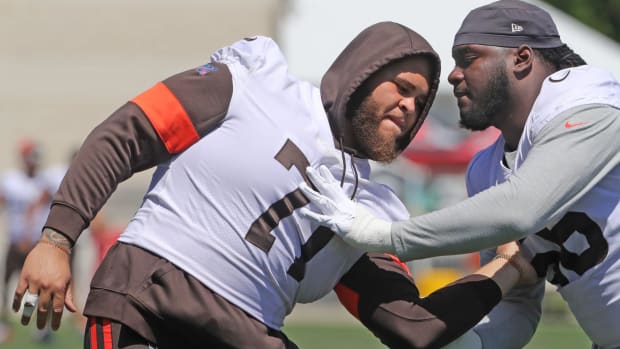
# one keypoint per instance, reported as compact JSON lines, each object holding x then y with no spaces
{"x":43,"y":286}
{"x":326,"y":174}
{"x":317,"y":217}
{"x":39,"y":300}
{"x":321,"y":178}
{"x":326,"y":184}
{"x":527,"y":273}
{"x":69,"y":299}
{"x":45,"y":299}
{"x":43,"y":303}
{"x":310,"y":193}
{"x":315,"y":177}
{"x":31,"y":300}
{"x":19,"y":293}
{"x":58,"y":304}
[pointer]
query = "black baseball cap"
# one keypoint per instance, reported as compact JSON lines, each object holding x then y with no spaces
{"x":509,"y":23}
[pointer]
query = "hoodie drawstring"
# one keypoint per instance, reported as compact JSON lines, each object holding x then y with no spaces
{"x":344,"y":164}
{"x":356,"y":177}
{"x":344,"y":169}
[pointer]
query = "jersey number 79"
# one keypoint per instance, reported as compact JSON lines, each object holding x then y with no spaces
{"x":259,"y":233}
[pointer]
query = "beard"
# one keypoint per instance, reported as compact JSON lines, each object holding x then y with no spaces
{"x":365,"y":123}
{"x":483,"y":113}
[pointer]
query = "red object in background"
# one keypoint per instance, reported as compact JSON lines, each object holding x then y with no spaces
{"x":104,"y":235}
{"x":103,"y":240}
{"x":431,"y":149}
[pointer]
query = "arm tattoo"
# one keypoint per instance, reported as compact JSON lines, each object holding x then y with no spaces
{"x":57,"y":239}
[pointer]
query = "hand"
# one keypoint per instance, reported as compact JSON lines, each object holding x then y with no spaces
{"x":46,"y":273}
{"x":508,"y":248}
{"x":528,"y":275}
{"x":336,"y":210}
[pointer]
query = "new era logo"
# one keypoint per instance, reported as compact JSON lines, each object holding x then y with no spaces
{"x":516,"y":27}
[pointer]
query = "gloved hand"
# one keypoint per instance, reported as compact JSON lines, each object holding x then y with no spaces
{"x":354,"y":224}
{"x":337,"y":211}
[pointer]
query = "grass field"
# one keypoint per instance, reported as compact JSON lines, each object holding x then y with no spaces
{"x":550,"y":335}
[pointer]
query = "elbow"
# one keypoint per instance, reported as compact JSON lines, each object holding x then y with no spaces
{"x":410,"y":338}
{"x":403,"y":333}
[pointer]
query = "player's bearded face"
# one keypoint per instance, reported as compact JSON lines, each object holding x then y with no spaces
{"x":365,"y":125}
{"x":486,"y":103}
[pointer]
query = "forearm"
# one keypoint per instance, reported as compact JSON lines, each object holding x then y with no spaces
{"x":461,"y":228}
{"x":498,"y":215}
{"x":380,"y":292}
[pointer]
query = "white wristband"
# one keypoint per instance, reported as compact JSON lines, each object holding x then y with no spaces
{"x":370,"y":233}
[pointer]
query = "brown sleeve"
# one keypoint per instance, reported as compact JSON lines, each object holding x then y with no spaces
{"x":379,"y":291}
{"x":162,"y":121}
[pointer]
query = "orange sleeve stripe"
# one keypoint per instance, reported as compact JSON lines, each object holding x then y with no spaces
{"x":168,"y":117}
{"x":349,"y":298}
{"x":400,"y":263}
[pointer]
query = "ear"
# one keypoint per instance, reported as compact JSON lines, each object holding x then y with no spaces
{"x":523,"y":59}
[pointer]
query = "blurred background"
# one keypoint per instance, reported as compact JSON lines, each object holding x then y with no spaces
{"x":67,"y":64}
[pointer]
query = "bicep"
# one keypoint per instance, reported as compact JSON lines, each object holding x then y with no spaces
{"x":565,"y":164}
{"x":187,"y":106}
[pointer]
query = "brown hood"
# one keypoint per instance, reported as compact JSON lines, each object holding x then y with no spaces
{"x":373,"y":48}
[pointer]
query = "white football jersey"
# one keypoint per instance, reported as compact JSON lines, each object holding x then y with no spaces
{"x":224,"y":210}
{"x":579,"y":250}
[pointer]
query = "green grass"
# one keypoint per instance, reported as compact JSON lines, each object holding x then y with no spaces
{"x":550,"y":335}
{"x":68,"y":337}
{"x":559,"y":335}
{"x":331,"y":336}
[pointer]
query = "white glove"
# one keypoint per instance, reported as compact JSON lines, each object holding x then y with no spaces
{"x":349,"y":220}
{"x":337,"y":211}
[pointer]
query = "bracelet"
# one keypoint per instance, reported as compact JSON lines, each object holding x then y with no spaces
{"x":511,"y":260}
{"x":60,"y":247}
{"x":505,"y":256}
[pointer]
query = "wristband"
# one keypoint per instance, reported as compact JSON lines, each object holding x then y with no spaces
{"x":511,"y":259}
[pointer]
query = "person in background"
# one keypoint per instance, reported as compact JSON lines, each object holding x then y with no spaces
{"x":19,"y":192}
